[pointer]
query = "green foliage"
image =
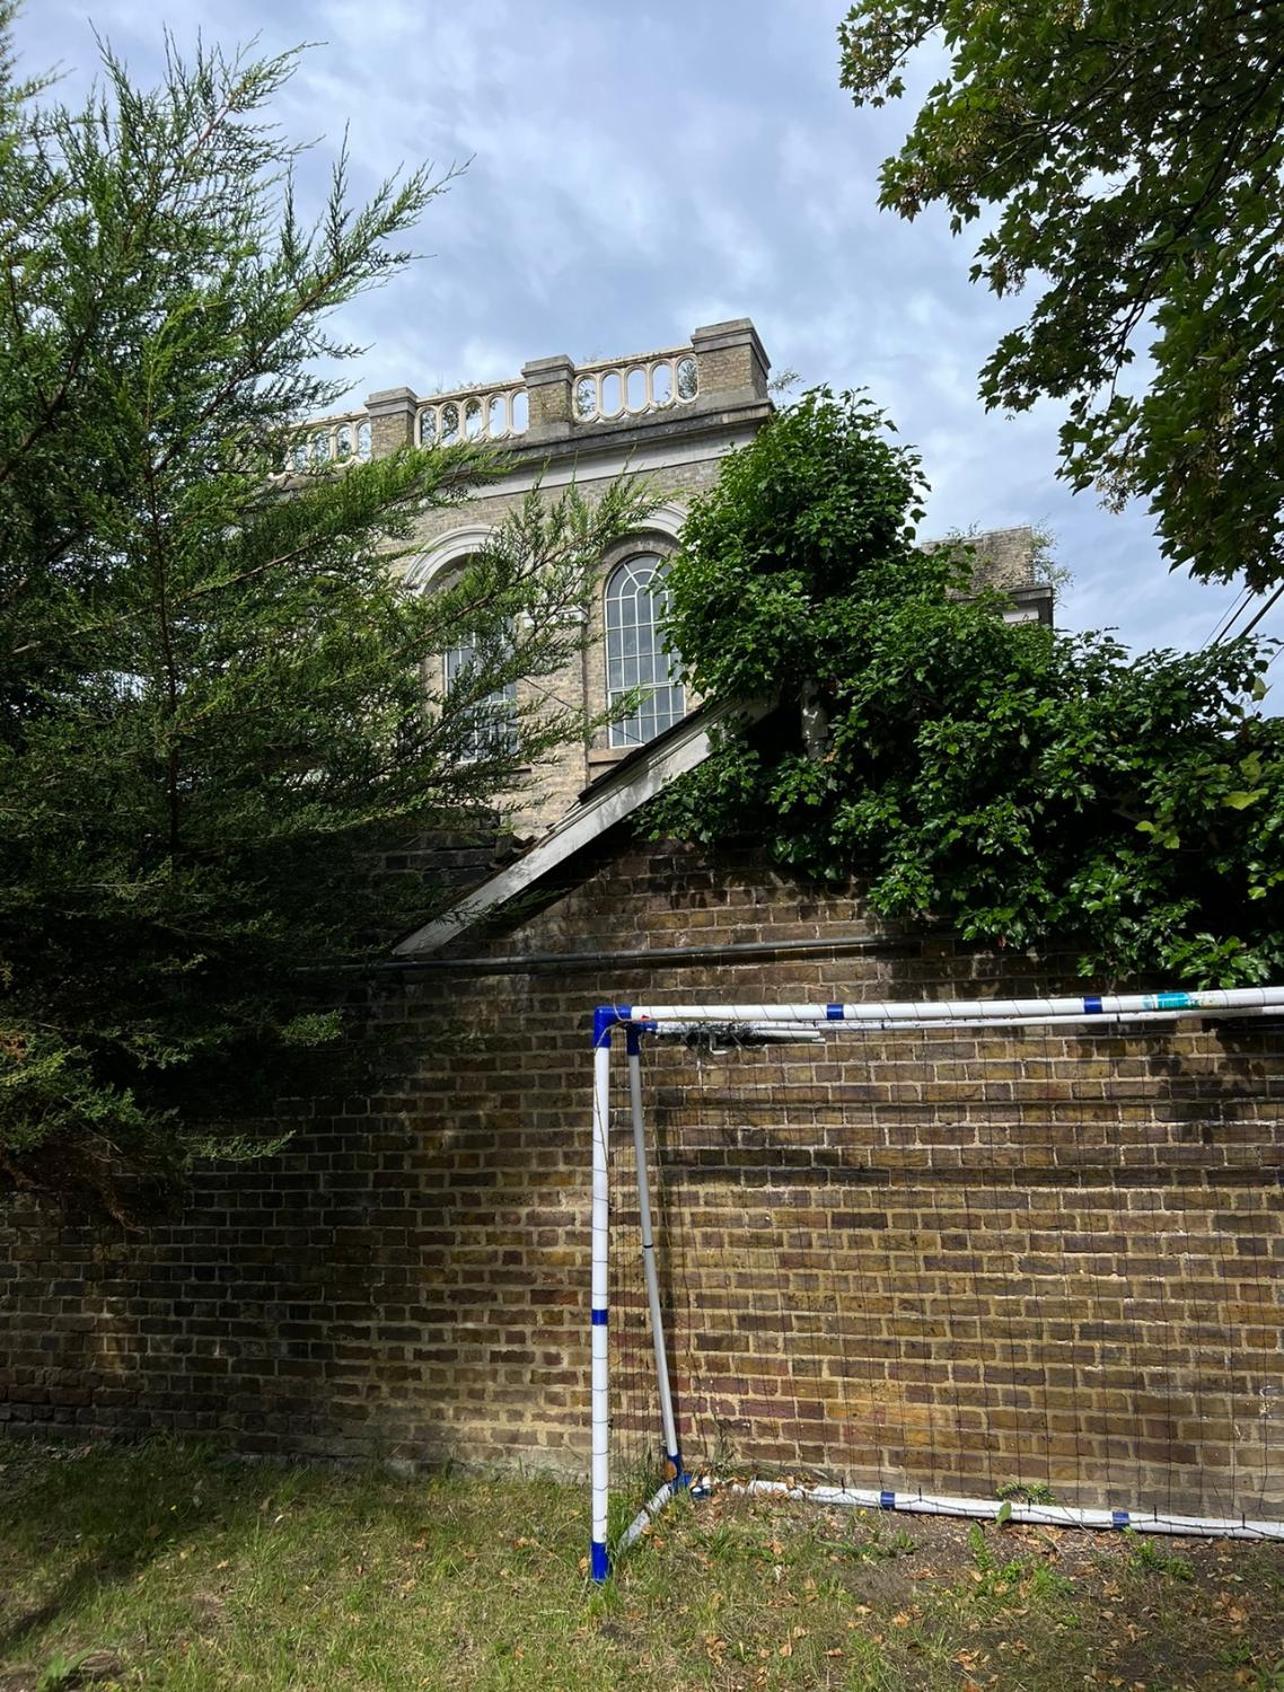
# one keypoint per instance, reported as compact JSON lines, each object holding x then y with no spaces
{"x":1148,"y":1556}
{"x":217,"y":709}
{"x":1019,"y":1580}
{"x":65,"y":1670}
{"x":1028,"y":788}
{"x":1132,"y":158}
{"x":1026,"y":1492}
{"x":877,"y":1543}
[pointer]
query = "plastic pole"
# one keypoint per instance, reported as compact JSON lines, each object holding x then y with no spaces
{"x":1043,"y":1515}
{"x":667,"y":1423}
{"x":1214,"y":1001}
{"x":599,"y":1561}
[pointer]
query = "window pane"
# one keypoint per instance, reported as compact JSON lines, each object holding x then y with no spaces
{"x":636,"y":605}
{"x":492,"y":728}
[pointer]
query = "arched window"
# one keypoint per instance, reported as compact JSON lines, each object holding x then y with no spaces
{"x":636,"y":603}
{"x":493,"y":726}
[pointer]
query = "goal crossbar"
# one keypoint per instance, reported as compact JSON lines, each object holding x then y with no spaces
{"x":931,"y":1012}
{"x":772,"y":1023}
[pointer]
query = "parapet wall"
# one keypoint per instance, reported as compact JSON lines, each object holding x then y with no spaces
{"x":556,"y":403}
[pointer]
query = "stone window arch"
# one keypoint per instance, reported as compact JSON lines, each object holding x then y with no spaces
{"x":446,"y":555}
{"x":636,"y":603}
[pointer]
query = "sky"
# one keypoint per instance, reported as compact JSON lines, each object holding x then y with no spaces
{"x":636,"y":168}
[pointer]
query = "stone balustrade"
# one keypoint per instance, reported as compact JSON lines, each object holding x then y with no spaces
{"x":631,"y":387}
{"x":473,"y":414}
{"x":722,"y":365}
{"x":333,"y":440}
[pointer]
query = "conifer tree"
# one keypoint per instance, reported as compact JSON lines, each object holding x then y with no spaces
{"x":216,"y":712}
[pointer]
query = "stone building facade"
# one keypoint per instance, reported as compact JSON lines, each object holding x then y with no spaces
{"x":669,"y":417}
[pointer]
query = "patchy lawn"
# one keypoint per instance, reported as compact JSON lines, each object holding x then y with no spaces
{"x":174,"y":1568}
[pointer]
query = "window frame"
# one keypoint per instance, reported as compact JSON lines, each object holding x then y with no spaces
{"x":624,"y":670}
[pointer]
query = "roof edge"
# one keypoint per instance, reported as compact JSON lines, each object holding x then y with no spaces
{"x":613,"y":797}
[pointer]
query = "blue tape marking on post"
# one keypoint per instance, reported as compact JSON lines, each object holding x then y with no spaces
{"x":887,"y":1500}
{"x":1119,"y":1518}
{"x":1092,"y":1004}
{"x":1174,"y":1001}
{"x":633,"y":1039}
{"x":834,"y":1013}
{"x":599,"y":1562}
{"x":599,"y":1318}
{"x":605,"y":1018}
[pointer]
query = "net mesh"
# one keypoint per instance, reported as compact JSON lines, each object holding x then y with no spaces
{"x":1036,"y":1263}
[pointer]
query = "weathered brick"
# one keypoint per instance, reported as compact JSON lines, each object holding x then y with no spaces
{"x":941,"y":1260}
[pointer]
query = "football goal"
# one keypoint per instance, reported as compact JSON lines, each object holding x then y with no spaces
{"x":998,"y":1258}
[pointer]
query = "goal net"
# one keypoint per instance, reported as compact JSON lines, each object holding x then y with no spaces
{"x":1013,"y":1258}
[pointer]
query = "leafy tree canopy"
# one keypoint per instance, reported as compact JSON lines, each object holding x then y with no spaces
{"x":1133,"y":156}
{"x":219,"y":709}
{"x":1028,"y":788}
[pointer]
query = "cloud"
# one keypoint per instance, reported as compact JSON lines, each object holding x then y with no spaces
{"x":636,"y":171}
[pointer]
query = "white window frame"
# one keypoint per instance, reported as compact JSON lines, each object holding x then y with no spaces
{"x":633,"y":614}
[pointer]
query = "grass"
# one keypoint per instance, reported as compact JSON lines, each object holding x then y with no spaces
{"x":167,"y":1566}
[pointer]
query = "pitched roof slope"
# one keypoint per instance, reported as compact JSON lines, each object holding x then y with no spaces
{"x":623,"y":790}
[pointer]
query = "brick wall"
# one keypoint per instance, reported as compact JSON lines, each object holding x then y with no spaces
{"x":944,"y":1261}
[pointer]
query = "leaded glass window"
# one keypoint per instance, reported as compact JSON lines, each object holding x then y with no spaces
{"x":637,"y":602}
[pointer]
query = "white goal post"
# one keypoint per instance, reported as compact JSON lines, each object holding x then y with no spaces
{"x":764,"y":1024}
